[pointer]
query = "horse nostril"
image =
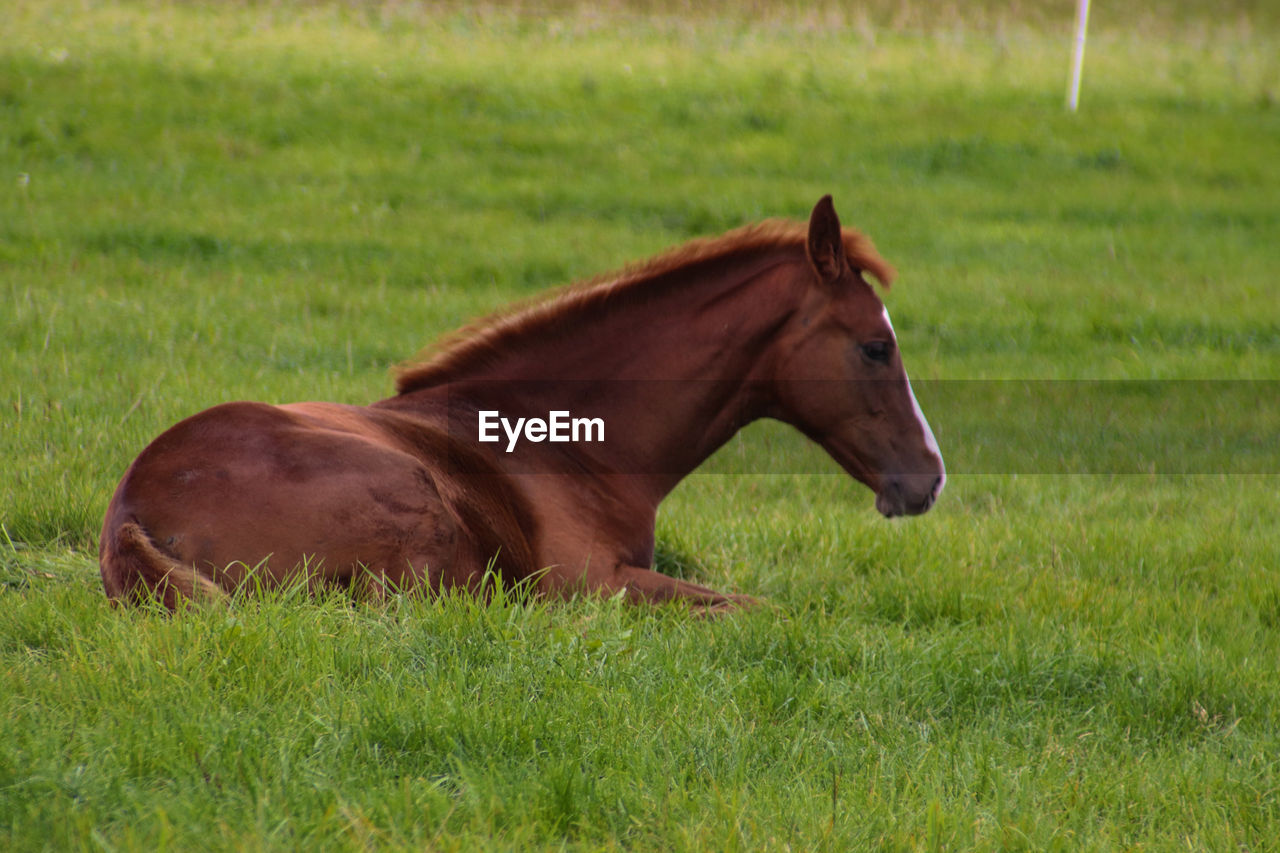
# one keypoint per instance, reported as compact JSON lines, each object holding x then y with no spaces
{"x":936,"y":489}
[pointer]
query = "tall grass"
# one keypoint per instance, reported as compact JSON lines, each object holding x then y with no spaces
{"x":279,"y":201}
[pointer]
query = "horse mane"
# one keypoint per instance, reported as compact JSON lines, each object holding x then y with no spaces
{"x":569,"y":306}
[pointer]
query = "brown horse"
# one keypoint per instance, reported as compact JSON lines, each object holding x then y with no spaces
{"x":540,"y":442}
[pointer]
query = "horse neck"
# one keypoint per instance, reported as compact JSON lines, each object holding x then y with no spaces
{"x":673,"y":377}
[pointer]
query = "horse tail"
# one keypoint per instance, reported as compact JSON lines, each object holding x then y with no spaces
{"x":133,"y":569}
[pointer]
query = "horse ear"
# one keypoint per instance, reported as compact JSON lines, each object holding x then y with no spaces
{"x":826,"y":243}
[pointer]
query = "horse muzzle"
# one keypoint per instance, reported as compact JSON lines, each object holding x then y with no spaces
{"x":910,"y":494}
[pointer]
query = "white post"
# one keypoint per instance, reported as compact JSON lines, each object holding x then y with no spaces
{"x":1077,"y":55}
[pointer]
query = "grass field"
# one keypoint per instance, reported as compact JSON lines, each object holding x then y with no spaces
{"x":279,"y":201}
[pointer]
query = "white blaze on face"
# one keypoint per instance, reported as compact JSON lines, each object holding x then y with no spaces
{"x":929,"y":440}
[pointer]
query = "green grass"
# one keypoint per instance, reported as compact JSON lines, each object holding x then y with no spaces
{"x":279,"y":201}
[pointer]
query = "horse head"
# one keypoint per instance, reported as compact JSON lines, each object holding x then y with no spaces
{"x":840,"y":378}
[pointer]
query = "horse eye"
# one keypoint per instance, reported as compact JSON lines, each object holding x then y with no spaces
{"x":877,"y":351}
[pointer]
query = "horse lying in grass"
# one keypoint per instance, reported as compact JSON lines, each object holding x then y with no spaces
{"x":434,"y":486}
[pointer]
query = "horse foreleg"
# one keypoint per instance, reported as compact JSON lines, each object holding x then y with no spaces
{"x":646,"y":585}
